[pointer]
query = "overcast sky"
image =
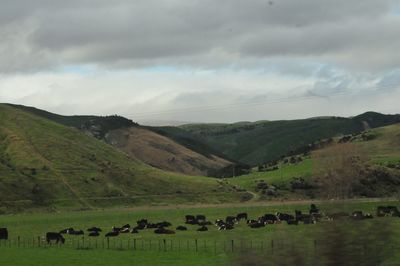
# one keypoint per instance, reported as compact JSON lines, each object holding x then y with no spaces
{"x":202,"y":60}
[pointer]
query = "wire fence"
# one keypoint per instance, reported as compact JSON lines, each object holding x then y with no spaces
{"x":162,"y":245}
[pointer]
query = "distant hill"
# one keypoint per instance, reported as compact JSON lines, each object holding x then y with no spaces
{"x":259,"y":142}
{"x":164,"y":153}
{"x":150,"y":145}
{"x":46,"y":164}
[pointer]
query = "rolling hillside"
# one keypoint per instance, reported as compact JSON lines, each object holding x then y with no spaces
{"x":46,"y":164}
{"x":259,"y":142}
{"x":149,"y":145}
{"x":378,"y":173}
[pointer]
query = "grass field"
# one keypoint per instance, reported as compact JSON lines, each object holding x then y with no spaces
{"x":293,"y":239}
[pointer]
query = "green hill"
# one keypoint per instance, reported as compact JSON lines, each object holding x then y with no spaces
{"x":376,"y":171}
{"x":259,"y":142}
{"x":46,"y":164}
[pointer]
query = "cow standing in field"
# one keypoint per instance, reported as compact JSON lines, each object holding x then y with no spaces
{"x":241,"y":216}
{"x":54,"y":237}
{"x":3,"y":234}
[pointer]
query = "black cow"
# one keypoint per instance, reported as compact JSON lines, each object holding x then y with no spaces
{"x":112,"y":234}
{"x":164,"y":231}
{"x":94,"y":229}
{"x":284,"y":216}
{"x":241,"y":216}
{"x":142,"y":222}
{"x":94,"y":233}
{"x":126,"y":226}
{"x":357,"y":215}
{"x":125,"y":230}
{"x":190,"y":219}
{"x":231,"y":220}
{"x":219,"y":222}
{"x":225,"y":227}
{"x":65,"y":231}
{"x":135,"y":231}
{"x":181,"y":228}
{"x":54,"y":236}
{"x":3,"y":233}
{"x":269,"y":218}
{"x":76,"y":233}
{"x":202,"y":229}
{"x":200,"y":218}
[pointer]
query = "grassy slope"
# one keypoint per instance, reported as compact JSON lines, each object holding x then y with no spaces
{"x":162,"y":152}
{"x":380,"y":151}
{"x":192,"y":157}
{"x":45,"y":163}
{"x":259,"y":142}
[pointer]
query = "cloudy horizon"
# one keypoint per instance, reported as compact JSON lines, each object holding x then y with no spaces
{"x":202,"y":61}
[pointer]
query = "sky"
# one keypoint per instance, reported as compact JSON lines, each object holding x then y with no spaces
{"x":201,"y":61}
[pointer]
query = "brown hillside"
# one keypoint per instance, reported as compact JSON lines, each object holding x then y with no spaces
{"x":162,"y":152}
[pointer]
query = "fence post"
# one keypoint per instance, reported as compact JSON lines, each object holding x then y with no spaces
{"x":195,"y":241}
{"x":272,"y":246}
{"x":38,"y":241}
{"x":108,"y":243}
{"x":19,"y":239}
{"x":134,"y":244}
{"x":165,"y":245}
{"x":232,"y":245}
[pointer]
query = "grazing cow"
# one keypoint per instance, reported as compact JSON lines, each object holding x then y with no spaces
{"x":3,"y":233}
{"x":200,"y":218}
{"x":125,"y":230}
{"x":241,"y":216}
{"x":231,"y":220}
{"x":181,"y":228}
{"x":164,"y":231}
{"x":54,"y":236}
{"x":65,"y":231}
{"x":75,"y":233}
{"x":140,"y":227}
{"x":135,"y":231}
{"x":357,"y":215}
{"x":190,"y":219}
{"x":116,"y":229}
{"x":292,"y":222}
{"x":225,"y":227}
{"x":127,"y":226}
{"x":219,"y":223}
{"x":151,"y":226}
{"x":94,"y":233}
{"x":202,"y":229}
{"x":112,"y":234}
{"x":269,"y":218}
{"x":142,"y":222}
{"x":284,"y":216}
{"x":94,"y":229}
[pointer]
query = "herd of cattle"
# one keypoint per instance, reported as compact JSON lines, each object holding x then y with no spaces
{"x":313,"y":216}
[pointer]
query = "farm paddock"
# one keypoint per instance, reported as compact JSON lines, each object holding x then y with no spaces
{"x":371,"y":241}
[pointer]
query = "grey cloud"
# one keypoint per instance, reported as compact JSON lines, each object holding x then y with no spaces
{"x":196,"y":33}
